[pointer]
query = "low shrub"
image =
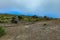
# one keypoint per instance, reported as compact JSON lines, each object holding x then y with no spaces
{"x":44,"y":24}
{"x":2,"y":31}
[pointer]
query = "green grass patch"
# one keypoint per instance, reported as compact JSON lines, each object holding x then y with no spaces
{"x":2,"y":31}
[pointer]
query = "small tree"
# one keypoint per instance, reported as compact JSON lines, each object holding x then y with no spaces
{"x":19,"y":17}
{"x":46,"y":18}
{"x":34,"y":16}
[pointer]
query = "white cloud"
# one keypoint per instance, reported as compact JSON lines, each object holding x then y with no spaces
{"x":29,"y":5}
{"x":36,"y":6}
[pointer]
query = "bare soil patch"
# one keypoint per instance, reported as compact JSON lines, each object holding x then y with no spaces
{"x":36,"y":31}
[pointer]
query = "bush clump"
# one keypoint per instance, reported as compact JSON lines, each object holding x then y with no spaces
{"x":44,"y":24}
{"x":2,"y":31}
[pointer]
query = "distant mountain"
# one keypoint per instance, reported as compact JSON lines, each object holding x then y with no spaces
{"x":15,"y":13}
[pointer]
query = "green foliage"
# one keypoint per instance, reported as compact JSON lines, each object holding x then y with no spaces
{"x":2,"y":31}
{"x":44,"y":24}
{"x":30,"y":18}
{"x":5,"y":18}
{"x":46,"y":18}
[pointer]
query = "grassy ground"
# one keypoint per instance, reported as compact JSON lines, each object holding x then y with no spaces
{"x":5,"y":18}
{"x":30,"y":28}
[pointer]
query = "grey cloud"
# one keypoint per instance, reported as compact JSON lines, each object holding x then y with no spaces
{"x":36,"y":6}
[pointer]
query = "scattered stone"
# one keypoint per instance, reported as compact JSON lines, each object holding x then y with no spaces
{"x":26,"y":26}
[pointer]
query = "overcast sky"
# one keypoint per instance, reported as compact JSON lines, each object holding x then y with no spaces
{"x":35,"y":7}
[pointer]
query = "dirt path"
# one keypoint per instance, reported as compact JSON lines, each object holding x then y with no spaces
{"x":35,"y":31}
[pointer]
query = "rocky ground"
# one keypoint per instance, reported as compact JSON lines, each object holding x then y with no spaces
{"x":35,"y":31}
